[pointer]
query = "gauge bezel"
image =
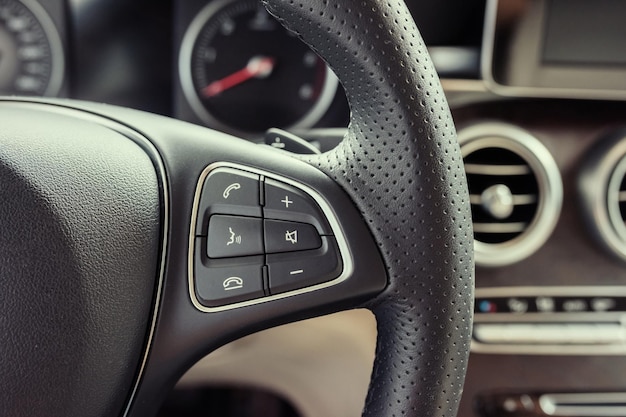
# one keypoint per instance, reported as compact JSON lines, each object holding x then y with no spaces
{"x":314,"y":115}
{"x":57,"y":53}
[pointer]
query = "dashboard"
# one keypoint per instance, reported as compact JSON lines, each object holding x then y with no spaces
{"x":546,"y":169}
{"x":161,"y":56}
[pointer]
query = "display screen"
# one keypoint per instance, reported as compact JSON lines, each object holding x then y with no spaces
{"x":587,"y":32}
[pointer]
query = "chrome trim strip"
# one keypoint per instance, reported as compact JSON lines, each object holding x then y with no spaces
{"x":160,"y":166}
{"x":550,"y":333}
{"x":348,"y":264}
{"x":550,"y":198}
{"x":549,"y":350}
{"x":600,"y":404}
{"x":465,"y":92}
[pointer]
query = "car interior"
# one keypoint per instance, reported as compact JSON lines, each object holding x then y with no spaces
{"x":537,"y":94}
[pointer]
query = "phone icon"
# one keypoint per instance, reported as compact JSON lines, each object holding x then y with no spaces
{"x":231,"y":187}
{"x":232,"y":283}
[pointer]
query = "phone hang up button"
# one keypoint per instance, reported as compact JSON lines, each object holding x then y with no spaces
{"x":221,"y":285}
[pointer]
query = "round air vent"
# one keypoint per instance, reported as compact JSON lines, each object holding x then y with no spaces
{"x":515,"y":191}
{"x":603,"y":190}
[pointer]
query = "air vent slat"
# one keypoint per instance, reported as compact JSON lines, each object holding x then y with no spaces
{"x":515,"y":191}
{"x":499,"y":227}
{"x":497,"y":170}
{"x":503,"y":193}
{"x":518,"y":200}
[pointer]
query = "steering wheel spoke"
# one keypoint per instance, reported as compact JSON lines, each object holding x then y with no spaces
{"x":258,"y":238}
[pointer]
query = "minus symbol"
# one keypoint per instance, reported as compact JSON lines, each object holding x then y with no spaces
{"x":299,"y":271}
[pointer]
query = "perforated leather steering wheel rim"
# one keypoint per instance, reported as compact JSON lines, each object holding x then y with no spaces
{"x":401,"y":165}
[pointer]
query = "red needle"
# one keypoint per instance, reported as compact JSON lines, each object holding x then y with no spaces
{"x":258,"y":67}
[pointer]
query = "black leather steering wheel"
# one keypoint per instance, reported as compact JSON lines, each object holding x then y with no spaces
{"x":107,"y":217}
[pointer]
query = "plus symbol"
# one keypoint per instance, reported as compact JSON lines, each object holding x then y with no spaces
{"x":287,"y":201}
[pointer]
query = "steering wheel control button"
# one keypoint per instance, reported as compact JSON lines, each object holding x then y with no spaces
{"x":282,"y":236}
{"x":228,"y":191}
{"x":231,"y":236}
{"x":284,"y":202}
{"x":292,"y":271}
{"x":230,"y":283}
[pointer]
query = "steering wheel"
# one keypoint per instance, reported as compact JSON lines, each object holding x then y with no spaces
{"x":132,"y":244}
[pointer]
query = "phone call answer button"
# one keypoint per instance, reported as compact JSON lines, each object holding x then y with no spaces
{"x":228,"y":191}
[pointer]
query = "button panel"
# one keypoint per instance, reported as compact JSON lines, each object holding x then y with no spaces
{"x":566,"y":320}
{"x":256,"y":237}
{"x":550,"y":304}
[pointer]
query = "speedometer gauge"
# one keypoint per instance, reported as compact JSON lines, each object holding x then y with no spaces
{"x":31,"y":53}
{"x":241,"y":71}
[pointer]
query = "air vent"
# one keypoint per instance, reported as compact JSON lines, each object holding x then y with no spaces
{"x":603,"y":191}
{"x":515,"y":191}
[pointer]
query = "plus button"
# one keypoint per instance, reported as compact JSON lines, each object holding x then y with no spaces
{"x":287,"y":201}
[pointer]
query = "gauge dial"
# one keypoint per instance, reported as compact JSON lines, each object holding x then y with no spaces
{"x":241,"y":71}
{"x":31,"y":55}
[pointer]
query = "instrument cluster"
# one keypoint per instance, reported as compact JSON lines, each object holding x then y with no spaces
{"x":241,"y":72}
{"x":31,"y":50}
